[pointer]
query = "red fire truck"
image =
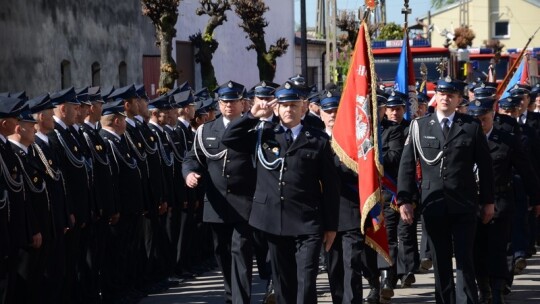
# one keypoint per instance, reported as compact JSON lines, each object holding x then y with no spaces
{"x":386,"y":55}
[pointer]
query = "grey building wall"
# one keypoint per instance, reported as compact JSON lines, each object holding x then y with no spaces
{"x":36,"y":36}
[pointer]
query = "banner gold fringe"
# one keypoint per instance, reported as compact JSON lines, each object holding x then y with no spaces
{"x":344,"y":158}
{"x":371,"y":243}
{"x":371,"y":201}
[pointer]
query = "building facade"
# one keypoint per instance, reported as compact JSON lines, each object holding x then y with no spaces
{"x":231,"y":60}
{"x":510,"y":21}
{"x":53,"y":44}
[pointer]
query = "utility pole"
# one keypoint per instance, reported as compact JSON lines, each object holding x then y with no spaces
{"x":331,"y":40}
{"x":406,"y":11}
{"x":463,"y":13}
{"x":321,"y":22}
{"x":303,"y":37}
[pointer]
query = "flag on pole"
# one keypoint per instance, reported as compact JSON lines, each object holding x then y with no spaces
{"x":405,"y":82}
{"x":520,"y":76}
{"x":355,"y":139}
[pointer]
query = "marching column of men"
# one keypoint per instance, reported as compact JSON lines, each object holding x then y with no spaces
{"x":107,"y":196}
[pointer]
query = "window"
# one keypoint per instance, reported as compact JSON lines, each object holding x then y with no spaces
{"x":122,"y":74}
{"x":65,"y":73}
{"x":96,"y":78}
{"x":501,"y":29}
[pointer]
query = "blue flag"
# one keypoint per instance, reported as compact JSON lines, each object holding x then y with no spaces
{"x":516,"y":78}
{"x":405,"y":82}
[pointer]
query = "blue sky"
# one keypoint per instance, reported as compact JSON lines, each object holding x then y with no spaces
{"x":419,"y":8}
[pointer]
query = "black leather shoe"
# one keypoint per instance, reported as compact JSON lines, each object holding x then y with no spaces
{"x":407,"y":280}
{"x":519,"y":265}
{"x":269,"y":296}
{"x":373,"y":296}
{"x":425,"y":265}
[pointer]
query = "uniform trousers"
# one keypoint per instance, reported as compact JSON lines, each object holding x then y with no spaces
{"x":295,"y":263}
{"x":260,"y":245}
{"x":441,"y":231}
{"x":345,"y":267}
{"x":233,"y":249}
{"x":490,"y":248}
{"x":408,"y":259}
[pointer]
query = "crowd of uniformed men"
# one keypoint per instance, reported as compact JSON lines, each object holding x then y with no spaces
{"x":107,"y":196}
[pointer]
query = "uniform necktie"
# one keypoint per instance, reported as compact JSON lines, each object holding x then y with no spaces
{"x":288,"y":137}
{"x":446,"y":127}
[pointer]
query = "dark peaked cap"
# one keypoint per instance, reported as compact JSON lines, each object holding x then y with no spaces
{"x":10,"y":107}
{"x":64,"y":96}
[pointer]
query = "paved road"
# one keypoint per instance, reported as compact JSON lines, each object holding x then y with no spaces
{"x":208,"y":288}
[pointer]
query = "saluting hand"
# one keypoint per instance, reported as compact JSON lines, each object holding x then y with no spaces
{"x":407,"y":213}
{"x":192,"y":179}
{"x":263,"y":108}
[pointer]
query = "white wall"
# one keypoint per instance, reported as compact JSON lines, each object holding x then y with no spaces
{"x":231,"y":60}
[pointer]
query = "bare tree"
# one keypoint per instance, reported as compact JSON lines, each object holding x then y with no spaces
{"x":463,"y":37}
{"x":164,"y":14}
{"x":253,"y":23}
{"x":346,"y":21}
{"x":205,"y":43}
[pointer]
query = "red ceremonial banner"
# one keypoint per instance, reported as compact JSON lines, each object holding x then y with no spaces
{"x":355,"y":139}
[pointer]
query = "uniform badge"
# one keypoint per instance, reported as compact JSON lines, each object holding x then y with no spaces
{"x":35,"y":180}
{"x":139,"y":145}
{"x":151,"y":138}
{"x":128,"y":155}
{"x":275,"y":150}
{"x":432,"y":122}
{"x":75,"y":148}
{"x":50,"y":162}
{"x":265,"y":146}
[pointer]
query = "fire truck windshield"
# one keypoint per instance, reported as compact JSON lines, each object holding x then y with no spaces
{"x":387,"y":60}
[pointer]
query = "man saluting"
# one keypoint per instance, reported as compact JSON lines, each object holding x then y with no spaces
{"x":296,"y":201}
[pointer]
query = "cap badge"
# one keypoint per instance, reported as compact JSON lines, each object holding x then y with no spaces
{"x":230,"y":85}
{"x":329,"y":94}
{"x":478,"y":103}
{"x":516,"y":86}
{"x":483,"y":85}
{"x":287,"y":85}
{"x":263,"y":84}
{"x":448,"y":79}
